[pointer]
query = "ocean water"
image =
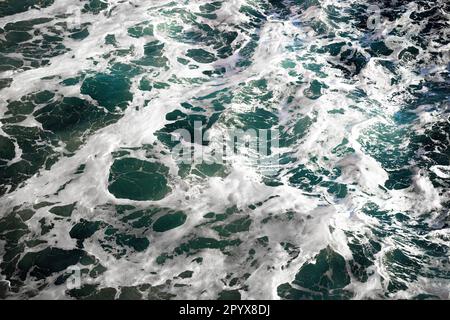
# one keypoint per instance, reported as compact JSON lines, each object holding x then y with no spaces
{"x":95,"y":205}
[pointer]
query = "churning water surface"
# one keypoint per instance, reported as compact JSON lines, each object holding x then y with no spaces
{"x":94,"y":204}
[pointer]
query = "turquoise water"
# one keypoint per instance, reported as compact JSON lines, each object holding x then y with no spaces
{"x":93,"y":92}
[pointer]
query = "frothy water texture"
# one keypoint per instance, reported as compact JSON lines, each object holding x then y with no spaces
{"x":94,"y":206}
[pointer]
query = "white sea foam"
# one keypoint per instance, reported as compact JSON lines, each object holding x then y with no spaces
{"x":309,"y":229}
